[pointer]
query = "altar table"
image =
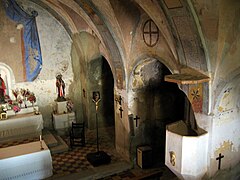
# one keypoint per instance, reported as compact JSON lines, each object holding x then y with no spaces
{"x":25,"y":161}
{"x":21,"y":124}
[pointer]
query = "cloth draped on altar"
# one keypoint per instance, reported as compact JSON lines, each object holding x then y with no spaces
{"x":21,"y":124}
{"x":25,"y":161}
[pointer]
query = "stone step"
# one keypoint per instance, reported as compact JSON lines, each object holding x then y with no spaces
{"x":49,"y":139}
{"x":61,"y":147}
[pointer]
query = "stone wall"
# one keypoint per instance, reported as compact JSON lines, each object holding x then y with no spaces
{"x":55,"y":47}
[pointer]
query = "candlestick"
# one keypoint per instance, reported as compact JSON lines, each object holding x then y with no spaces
{"x":41,"y":145}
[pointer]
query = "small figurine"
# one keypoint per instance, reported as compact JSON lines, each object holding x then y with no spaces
{"x":60,"y":88}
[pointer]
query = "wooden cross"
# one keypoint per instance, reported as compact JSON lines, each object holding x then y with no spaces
{"x":219,"y":160}
{"x":121,"y":110}
{"x":136,"y":118}
{"x":119,"y":100}
{"x":84,"y":93}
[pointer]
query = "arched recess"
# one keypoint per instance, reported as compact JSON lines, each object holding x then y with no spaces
{"x":89,"y":14}
{"x":157,"y":103}
{"x":8,"y":77}
{"x":101,"y":79}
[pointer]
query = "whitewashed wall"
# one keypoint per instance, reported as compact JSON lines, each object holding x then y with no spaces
{"x":56,"y":48}
{"x":226,"y":128}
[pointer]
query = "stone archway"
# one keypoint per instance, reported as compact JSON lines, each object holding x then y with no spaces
{"x":157,"y":103}
{"x":100,"y":78}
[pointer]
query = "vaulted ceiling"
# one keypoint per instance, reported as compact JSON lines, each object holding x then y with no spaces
{"x":112,"y":21}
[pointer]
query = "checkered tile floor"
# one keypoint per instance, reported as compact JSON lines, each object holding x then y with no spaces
{"x":74,"y":160}
{"x":17,"y":142}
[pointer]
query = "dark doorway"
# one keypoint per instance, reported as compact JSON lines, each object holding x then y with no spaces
{"x":108,"y":95}
{"x":101,"y":80}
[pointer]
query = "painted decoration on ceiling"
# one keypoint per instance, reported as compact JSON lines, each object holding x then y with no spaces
{"x":196,"y":97}
{"x":150,"y":33}
{"x":32,"y":52}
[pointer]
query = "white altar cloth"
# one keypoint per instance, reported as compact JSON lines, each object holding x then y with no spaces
{"x":25,"y":161}
{"x":21,"y":124}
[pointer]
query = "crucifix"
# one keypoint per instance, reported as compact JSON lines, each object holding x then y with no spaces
{"x":119,"y":100}
{"x":121,"y":110}
{"x":219,"y":160}
{"x":136,"y":118}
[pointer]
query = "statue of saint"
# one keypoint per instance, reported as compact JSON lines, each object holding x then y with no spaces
{"x":60,"y":88}
{"x":2,"y":90}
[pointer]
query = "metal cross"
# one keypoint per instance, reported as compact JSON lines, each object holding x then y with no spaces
{"x":121,"y":110}
{"x":219,"y":160}
{"x":136,"y":118}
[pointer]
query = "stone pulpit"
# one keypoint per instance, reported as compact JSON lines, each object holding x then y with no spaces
{"x":186,"y":153}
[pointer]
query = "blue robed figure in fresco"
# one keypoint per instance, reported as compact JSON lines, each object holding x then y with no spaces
{"x":33,"y":57}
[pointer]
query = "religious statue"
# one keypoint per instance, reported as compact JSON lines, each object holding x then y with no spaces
{"x":60,"y":88}
{"x":2,"y":90}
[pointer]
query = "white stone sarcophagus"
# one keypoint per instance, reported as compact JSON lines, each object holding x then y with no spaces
{"x":186,"y":154}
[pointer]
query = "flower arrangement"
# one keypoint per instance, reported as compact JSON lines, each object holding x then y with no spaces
{"x":7,"y":97}
{"x":20,"y":102}
{"x":10,"y":102}
{"x":22,"y":96}
{"x":25,"y":93}
{"x":16,"y":108}
{"x":15,"y":93}
{"x":31,"y":98}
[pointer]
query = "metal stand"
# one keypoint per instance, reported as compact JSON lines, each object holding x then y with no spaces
{"x":100,"y":157}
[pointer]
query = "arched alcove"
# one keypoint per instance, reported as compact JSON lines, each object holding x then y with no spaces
{"x":8,"y":77}
{"x":101,"y":79}
{"x":157,"y":103}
